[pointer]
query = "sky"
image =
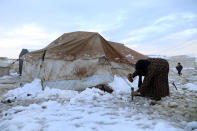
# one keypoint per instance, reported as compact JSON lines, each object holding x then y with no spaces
{"x":151,"y":27}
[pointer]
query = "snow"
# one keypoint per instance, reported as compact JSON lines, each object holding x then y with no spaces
{"x":191,"y":87}
{"x":86,"y":55}
{"x":56,"y":116}
{"x":12,"y":75}
{"x":129,"y":56}
{"x":34,"y":91}
{"x":91,"y":109}
{"x":158,"y":56}
{"x":185,"y":68}
{"x":191,"y":126}
{"x":121,"y":85}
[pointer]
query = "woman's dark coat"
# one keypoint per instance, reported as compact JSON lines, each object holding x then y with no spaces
{"x":155,"y":83}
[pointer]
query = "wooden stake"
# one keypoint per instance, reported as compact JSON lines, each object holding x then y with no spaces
{"x":42,"y":84}
{"x":132,"y":91}
{"x":174,"y":85}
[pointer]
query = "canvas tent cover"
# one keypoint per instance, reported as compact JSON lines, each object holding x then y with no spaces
{"x":79,"y":60}
{"x":86,"y":45}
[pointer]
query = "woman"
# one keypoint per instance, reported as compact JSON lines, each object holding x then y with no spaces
{"x":155,"y":72}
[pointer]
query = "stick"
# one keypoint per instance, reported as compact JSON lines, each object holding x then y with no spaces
{"x":42,"y":84}
{"x":174,"y":85}
{"x":132,"y":91}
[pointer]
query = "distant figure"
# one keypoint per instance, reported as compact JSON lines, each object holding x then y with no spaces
{"x":23,"y":52}
{"x":155,"y":83}
{"x":179,"y":68}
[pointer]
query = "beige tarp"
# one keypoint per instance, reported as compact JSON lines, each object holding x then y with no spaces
{"x":78,"y":60}
{"x":86,"y":45}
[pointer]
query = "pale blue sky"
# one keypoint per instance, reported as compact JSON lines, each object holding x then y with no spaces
{"x":160,"y":27}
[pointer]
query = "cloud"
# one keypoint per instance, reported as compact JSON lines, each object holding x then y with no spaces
{"x":103,"y":23}
{"x":188,"y":16}
{"x":178,"y":37}
{"x":100,"y":28}
{"x":173,"y":34}
{"x":30,"y":30}
{"x":160,"y":26}
{"x":27,"y":36}
{"x":133,"y":46}
{"x":10,"y":52}
{"x":127,"y":40}
{"x":145,"y":49}
{"x":181,"y":48}
{"x":178,"y":43}
{"x":147,"y":32}
{"x":36,"y":37}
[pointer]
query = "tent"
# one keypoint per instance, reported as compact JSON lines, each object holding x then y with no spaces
{"x":4,"y":66}
{"x":78,"y":60}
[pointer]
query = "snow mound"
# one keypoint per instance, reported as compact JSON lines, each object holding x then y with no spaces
{"x":191,"y":126}
{"x":90,"y":95}
{"x":121,"y":85}
{"x":91,"y":109}
{"x":34,"y":91}
{"x":190,"y":86}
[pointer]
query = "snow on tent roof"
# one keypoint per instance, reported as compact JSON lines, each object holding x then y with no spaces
{"x":86,"y":45}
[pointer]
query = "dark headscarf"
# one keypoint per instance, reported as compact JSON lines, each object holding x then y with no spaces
{"x":141,"y":69}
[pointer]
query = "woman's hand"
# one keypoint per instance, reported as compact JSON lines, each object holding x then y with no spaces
{"x":135,"y":93}
{"x":130,"y":77}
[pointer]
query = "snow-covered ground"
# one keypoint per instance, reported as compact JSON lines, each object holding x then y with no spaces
{"x":30,"y":109}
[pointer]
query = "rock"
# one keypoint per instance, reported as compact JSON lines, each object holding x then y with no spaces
{"x":8,"y":101}
{"x":172,"y":105}
{"x":152,"y":103}
{"x":44,"y":107}
{"x":104,"y":88}
{"x":29,"y":94}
